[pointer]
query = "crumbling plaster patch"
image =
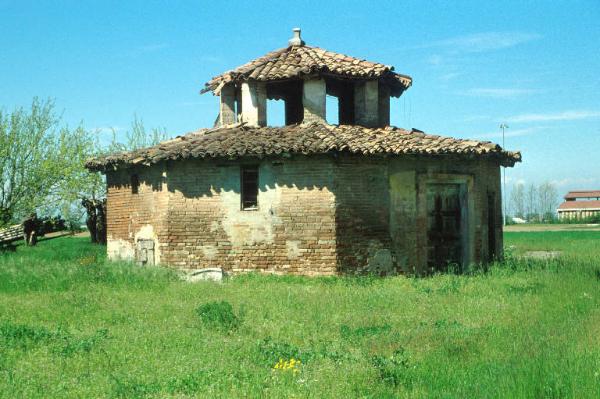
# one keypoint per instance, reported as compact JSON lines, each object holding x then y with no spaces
{"x":249,"y":227}
{"x":118,"y":249}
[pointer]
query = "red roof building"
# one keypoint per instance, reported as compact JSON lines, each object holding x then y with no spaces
{"x":580,"y":205}
{"x":588,"y":194}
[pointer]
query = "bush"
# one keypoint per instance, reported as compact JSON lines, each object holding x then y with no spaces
{"x":61,"y":341}
{"x":219,"y":315}
{"x":272,"y":351}
{"x":394,"y":370}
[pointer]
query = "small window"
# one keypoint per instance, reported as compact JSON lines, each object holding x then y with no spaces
{"x":135,"y":184}
{"x":249,"y":184}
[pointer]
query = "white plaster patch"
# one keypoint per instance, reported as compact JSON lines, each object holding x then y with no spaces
{"x":246,"y":228}
{"x":146,"y":233}
{"x":118,"y":249}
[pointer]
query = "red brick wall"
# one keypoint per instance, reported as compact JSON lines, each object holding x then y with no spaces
{"x":129,"y":213}
{"x":362,"y":211}
{"x":293,"y":231}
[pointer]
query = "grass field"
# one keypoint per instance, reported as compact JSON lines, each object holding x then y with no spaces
{"x":72,"y":326}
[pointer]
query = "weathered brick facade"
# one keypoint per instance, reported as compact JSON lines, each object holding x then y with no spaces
{"x":317,"y":215}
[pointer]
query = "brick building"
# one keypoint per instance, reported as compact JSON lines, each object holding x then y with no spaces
{"x":308,"y":197}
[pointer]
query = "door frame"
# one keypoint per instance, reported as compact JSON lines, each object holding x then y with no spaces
{"x":467,"y":215}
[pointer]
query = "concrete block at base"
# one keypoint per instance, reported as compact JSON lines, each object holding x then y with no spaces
{"x":208,"y":274}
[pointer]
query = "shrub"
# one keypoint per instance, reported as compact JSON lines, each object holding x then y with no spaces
{"x":394,"y":370}
{"x":219,"y":315}
{"x":272,"y":351}
{"x":60,"y":341}
{"x":86,"y":344}
{"x":20,"y":335}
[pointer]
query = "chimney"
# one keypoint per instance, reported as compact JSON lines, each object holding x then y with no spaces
{"x":296,"y":40}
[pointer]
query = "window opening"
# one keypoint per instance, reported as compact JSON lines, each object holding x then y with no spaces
{"x":275,"y":113}
{"x":249,"y":185}
{"x":135,"y":184}
{"x":332,"y":113}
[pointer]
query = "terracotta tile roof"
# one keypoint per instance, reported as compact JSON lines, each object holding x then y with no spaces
{"x":573,"y":205}
{"x":297,"y":61}
{"x":583,"y":194}
{"x":238,"y":141}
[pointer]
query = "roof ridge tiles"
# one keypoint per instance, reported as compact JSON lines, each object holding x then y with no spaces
{"x":315,"y":138}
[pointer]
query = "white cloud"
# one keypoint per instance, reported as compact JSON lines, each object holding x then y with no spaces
{"x":476,"y":118}
{"x":558,"y":116}
{"x":515,"y":180}
{"x":577,"y":181}
{"x":513,"y":133}
{"x":497,"y":92}
{"x":484,"y":41}
{"x":450,"y":76}
{"x":435,"y":59}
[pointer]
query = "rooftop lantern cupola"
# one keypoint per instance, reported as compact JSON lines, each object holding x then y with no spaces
{"x":302,"y":76}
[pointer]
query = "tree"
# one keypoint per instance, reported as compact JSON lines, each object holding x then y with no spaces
{"x":517,"y":200}
{"x":137,"y":137}
{"x":547,"y":200}
{"x":531,"y":198}
{"x":41,"y":164}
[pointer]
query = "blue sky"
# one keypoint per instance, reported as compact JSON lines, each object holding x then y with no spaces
{"x":532,"y":65}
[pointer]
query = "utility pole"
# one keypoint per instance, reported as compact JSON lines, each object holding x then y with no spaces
{"x":503,"y":126}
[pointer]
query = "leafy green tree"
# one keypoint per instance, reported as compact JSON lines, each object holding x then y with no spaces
{"x":41,"y":163}
{"x":137,"y":137}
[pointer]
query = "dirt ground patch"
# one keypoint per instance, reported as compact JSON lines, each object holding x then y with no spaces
{"x":66,"y":233}
{"x":544,"y":255}
{"x":552,"y":227}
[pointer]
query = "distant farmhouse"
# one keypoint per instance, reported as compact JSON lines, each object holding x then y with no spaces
{"x":308,"y":197}
{"x":580,"y":205}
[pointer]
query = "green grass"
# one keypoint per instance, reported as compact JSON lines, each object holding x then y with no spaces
{"x":74,"y":326}
{"x":578,"y":244}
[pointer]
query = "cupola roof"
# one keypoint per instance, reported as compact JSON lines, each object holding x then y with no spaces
{"x":299,"y":61}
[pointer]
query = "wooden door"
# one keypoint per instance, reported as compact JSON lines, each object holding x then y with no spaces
{"x":145,"y":252}
{"x":445,"y":226}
